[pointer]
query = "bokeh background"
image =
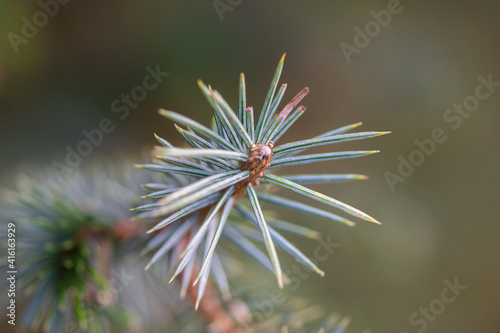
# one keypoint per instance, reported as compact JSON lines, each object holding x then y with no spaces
{"x":440,"y":223}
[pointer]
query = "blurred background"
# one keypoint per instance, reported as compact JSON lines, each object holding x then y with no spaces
{"x":66,"y":74}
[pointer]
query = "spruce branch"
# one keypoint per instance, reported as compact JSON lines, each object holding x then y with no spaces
{"x":70,"y":237}
{"x":74,"y":236}
{"x":215,"y":182}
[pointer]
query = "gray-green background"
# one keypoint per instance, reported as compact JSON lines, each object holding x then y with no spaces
{"x":440,"y":223}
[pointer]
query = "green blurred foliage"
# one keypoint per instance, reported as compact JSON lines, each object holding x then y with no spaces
{"x":439,"y":224}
